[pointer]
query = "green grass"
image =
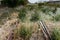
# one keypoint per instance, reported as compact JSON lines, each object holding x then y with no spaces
{"x":25,"y":32}
{"x":35,"y":17}
{"x":22,"y":14}
{"x":48,"y":9}
{"x":56,"y":17}
{"x":55,"y":34}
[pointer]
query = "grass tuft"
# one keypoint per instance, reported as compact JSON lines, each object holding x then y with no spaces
{"x":56,"y":34}
{"x":34,"y":17}
{"x":25,"y":32}
{"x":56,"y":18}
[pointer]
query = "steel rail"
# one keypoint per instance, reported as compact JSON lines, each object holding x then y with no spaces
{"x":45,"y":30}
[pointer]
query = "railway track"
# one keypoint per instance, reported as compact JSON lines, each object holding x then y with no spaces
{"x":45,"y":31}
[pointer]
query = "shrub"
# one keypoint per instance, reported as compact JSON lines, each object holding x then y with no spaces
{"x":56,"y":18}
{"x":44,"y":9}
{"x":13,"y":3}
{"x":25,"y":32}
{"x":54,"y":11}
{"x":47,"y":10}
{"x":30,"y":7}
{"x":22,"y":14}
{"x":34,"y":17}
{"x":56,"y":34}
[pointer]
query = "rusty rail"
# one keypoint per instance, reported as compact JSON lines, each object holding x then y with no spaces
{"x":45,"y":31}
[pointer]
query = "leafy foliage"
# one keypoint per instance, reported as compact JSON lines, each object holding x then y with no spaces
{"x":56,"y":34}
{"x":34,"y":17}
{"x":47,"y":9}
{"x":56,"y":18}
{"x":22,"y":14}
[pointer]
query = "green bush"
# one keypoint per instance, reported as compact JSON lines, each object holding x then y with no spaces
{"x":25,"y":32}
{"x":30,"y":7}
{"x":22,"y":14}
{"x":56,"y":18}
{"x":34,"y":17}
{"x":13,"y":3}
{"x":55,"y":34}
{"x":47,"y":10}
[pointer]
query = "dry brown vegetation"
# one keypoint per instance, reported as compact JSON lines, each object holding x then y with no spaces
{"x":23,"y":22}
